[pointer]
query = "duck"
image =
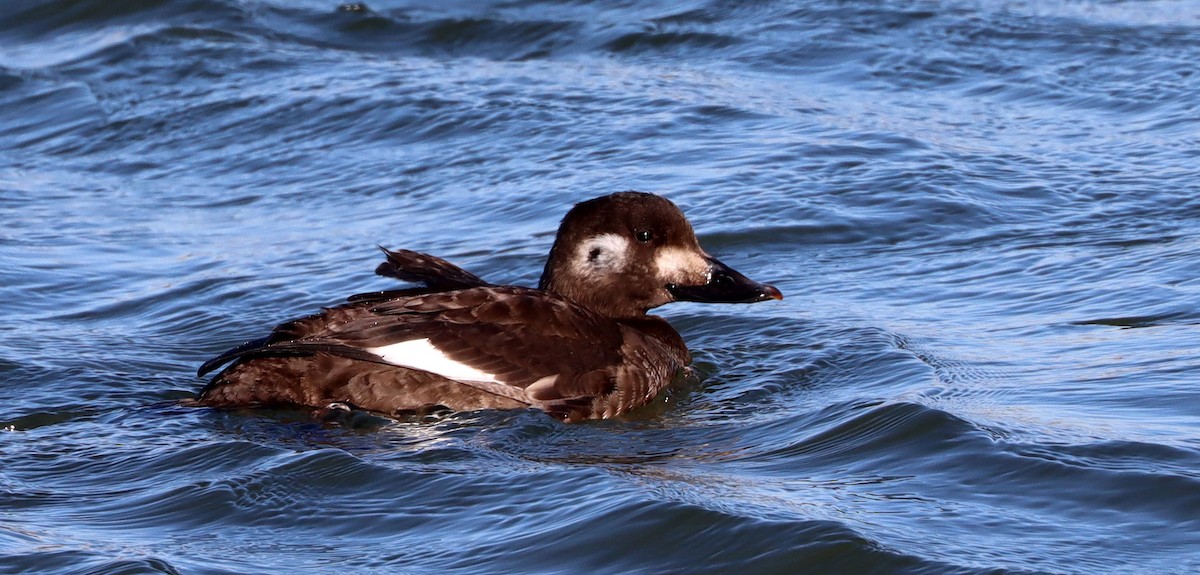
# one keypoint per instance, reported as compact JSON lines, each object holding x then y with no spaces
{"x":579,"y":346}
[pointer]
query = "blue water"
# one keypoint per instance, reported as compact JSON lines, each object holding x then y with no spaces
{"x":985,"y":217}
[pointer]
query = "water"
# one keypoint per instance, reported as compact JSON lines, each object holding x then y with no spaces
{"x":984,"y":216}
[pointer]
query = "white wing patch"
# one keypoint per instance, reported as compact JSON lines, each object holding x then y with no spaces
{"x":542,"y":386}
{"x":422,"y":355}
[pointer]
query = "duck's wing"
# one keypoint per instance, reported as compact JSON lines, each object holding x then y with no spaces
{"x":509,"y":335}
{"x":557,"y":355}
{"x":294,"y":330}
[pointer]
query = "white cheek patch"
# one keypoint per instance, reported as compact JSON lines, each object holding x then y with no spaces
{"x":422,"y":355}
{"x":605,"y":252}
{"x":680,"y":265}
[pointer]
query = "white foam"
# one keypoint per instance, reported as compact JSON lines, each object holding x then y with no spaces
{"x":422,"y":355}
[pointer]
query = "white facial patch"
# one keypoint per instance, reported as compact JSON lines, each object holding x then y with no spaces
{"x":682,"y":266}
{"x":605,"y":252}
{"x":422,"y":355}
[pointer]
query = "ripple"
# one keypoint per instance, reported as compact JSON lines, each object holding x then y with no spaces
{"x":38,"y":419}
{"x":72,"y":562}
{"x":1143,"y":321}
{"x":874,"y":433}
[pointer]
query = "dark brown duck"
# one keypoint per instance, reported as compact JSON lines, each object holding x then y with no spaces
{"x":579,"y":346}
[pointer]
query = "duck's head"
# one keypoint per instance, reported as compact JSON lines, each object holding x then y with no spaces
{"x":628,"y":252}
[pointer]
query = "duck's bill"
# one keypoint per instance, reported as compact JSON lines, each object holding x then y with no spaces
{"x":725,"y":285}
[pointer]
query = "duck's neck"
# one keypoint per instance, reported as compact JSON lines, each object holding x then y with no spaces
{"x":606,"y":300}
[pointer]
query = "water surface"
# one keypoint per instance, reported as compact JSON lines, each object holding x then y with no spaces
{"x":984,"y":216}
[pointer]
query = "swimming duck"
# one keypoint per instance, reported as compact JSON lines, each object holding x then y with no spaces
{"x":580,"y":346}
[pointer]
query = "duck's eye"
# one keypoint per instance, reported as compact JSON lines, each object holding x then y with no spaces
{"x":644,"y":236}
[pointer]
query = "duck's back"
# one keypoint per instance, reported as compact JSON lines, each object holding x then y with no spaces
{"x":475,"y":348}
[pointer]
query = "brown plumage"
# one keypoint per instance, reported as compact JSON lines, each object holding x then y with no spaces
{"x":581,"y":346}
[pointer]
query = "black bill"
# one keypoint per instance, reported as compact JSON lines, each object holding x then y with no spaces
{"x":725,"y":285}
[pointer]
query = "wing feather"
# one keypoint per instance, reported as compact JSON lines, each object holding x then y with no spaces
{"x":522,"y":336}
